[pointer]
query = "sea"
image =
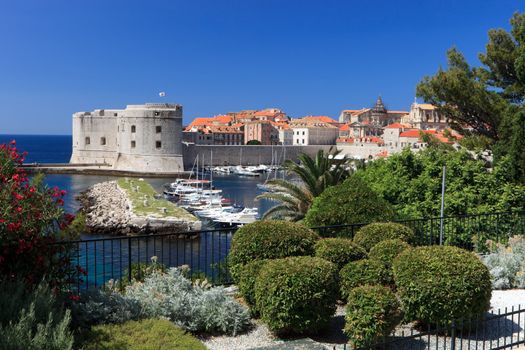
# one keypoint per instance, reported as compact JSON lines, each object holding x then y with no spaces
{"x":57,"y":149}
{"x":106,"y":259}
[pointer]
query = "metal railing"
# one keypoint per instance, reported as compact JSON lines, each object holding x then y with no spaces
{"x":502,"y":329}
{"x":205,"y":252}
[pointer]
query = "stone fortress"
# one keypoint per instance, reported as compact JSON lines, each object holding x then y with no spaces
{"x":141,"y":138}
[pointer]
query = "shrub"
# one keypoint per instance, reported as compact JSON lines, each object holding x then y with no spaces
{"x":247,"y":278}
{"x":189,"y":306}
{"x":372,"y":312}
{"x":139,"y":271}
{"x":362,"y":272}
{"x":147,"y":334}
{"x":385,"y":252}
{"x":369,"y":235}
{"x":104,"y":305}
{"x":340,"y":251}
{"x":441,"y":283}
{"x":31,"y":217}
{"x":32,"y":319}
{"x":507,"y":264}
{"x":269,"y":240}
{"x":296,"y":294}
{"x":351,"y":202}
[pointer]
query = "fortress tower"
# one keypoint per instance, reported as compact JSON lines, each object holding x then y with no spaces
{"x":140,"y":138}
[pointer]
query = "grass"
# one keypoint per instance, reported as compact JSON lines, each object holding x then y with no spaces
{"x":149,"y":334}
{"x":139,"y":191}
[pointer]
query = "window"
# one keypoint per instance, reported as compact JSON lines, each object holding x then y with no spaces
{"x":133,"y":144}
{"x":158,"y":129}
{"x":114,"y":114}
{"x":158,"y":144}
{"x":303,"y":133}
{"x":303,"y":141}
{"x":133,"y":129}
{"x":87,"y":141}
{"x":102,"y":141}
{"x":157,"y":113}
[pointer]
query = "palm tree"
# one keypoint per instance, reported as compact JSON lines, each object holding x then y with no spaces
{"x":315,"y":175}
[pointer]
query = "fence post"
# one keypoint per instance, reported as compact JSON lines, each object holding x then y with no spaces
{"x":453,"y":336}
{"x":129,"y":259}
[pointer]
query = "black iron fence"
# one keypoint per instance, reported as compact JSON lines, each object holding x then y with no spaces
{"x":502,"y":329}
{"x":205,"y":252}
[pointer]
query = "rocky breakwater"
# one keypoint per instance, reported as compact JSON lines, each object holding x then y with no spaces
{"x":130,"y":207}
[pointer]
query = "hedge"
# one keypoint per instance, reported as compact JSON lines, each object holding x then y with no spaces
{"x":368,"y":236}
{"x":438,"y":284}
{"x":247,"y":278}
{"x":269,"y":240}
{"x":372,"y":312}
{"x":340,"y":251}
{"x":362,"y":272}
{"x":352,"y":202}
{"x":296,"y":295}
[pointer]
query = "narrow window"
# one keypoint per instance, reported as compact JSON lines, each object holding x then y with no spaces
{"x":133,"y":129}
{"x":133,"y":144}
{"x":102,"y":141}
{"x":158,"y":129}
{"x":158,"y":144}
{"x":87,"y":141}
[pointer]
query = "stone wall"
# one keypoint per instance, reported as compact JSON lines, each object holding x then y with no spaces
{"x":245,"y":155}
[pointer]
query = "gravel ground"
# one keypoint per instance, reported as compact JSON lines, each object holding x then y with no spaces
{"x":498,"y":331}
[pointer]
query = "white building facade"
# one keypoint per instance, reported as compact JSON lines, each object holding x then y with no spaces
{"x":141,"y":138}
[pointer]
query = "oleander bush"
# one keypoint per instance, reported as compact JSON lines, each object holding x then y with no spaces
{"x":32,"y":318}
{"x":360,"y":273}
{"x":296,"y":295}
{"x":441,"y":283}
{"x":385,"y":252}
{"x":352,"y":202}
{"x":247,"y":278}
{"x":148,"y":334}
{"x":340,"y":251}
{"x":372,"y":312}
{"x":507,"y":264}
{"x":369,"y":235}
{"x":269,"y":240}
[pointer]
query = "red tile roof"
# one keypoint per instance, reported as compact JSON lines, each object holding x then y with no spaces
{"x":345,"y":127}
{"x":397,"y":126}
{"x":321,"y":118}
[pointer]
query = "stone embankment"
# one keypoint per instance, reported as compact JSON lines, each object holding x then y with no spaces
{"x":108,"y":210}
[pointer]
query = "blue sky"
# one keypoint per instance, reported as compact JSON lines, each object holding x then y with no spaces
{"x":305,"y":57}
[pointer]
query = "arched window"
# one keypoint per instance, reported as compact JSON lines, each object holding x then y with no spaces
{"x":133,"y":129}
{"x":87,"y":140}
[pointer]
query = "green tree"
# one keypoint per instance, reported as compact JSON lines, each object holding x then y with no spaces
{"x":412,"y":183}
{"x":314,"y":175}
{"x":254,"y":143}
{"x":486,"y":101}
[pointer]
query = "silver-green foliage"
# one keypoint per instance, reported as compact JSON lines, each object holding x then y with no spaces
{"x":170,"y":295}
{"x":507,"y":264}
{"x":32,"y":319}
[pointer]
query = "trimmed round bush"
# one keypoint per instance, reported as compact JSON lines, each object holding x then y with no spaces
{"x":247,"y":277}
{"x":441,"y":284}
{"x":340,"y":251}
{"x":372,"y":312}
{"x":141,"y":335}
{"x":361,"y":272}
{"x":368,"y":236}
{"x":296,"y":295}
{"x":269,"y":240}
{"x":385,"y":252}
{"x":352,"y":202}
